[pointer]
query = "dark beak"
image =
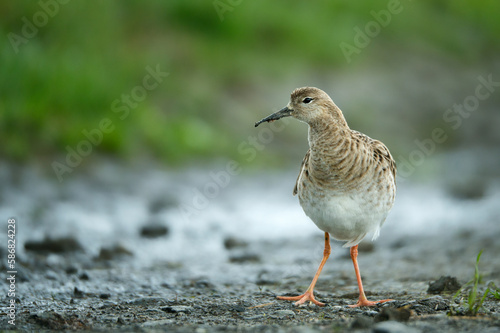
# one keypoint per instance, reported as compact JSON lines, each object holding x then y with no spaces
{"x":285,"y":112}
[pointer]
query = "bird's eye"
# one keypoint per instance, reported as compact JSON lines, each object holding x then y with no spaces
{"x":307,"y":100}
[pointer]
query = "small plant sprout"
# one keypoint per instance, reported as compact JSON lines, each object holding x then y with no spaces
{"x":475,"y":301}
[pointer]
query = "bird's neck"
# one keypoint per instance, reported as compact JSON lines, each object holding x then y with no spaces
{"x":328,"y":130}
{"x":328,"y":141}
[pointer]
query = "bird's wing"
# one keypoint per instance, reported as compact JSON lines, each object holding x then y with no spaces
{"x":302,"y":169}
{"x":381,"y":153}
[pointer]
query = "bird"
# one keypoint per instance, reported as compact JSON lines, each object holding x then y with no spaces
{"x":346,"y":184}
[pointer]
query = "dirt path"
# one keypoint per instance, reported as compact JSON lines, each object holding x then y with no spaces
{"x":144,"y":269}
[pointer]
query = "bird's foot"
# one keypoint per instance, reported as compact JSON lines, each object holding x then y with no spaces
{"x":365,"y":302}
{"x":301,"y":299}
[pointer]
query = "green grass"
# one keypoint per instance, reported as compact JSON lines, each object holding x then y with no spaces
{"x":66,"y":77}
{"x":475,"y":297}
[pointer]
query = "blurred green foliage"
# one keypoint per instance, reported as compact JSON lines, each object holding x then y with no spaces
{"x":65,"y":78}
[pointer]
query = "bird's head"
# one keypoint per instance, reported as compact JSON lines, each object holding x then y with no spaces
{"x":307,"y":104}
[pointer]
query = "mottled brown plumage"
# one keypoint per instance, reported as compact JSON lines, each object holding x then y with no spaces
{"x":347,"y":181}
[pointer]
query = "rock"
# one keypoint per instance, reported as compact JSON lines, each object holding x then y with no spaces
{"x":282,"y":314}
{"x":146,"y":301}
{"x":71,"y":270}
{"x":57,"y":245}
{"x":77,"y":293}
{"x":233,"y":242}
{"x":435,"y":303}
{"x":104,"y":295}
{"x":174,"y":265}
{"x":238,"y":308}
{"x":177,"y":308}
{"x":153,"y":230}
{"x":256,"y":317}
{"x":84,"y":276}
{"x":395,"y":314}
{"x":154,"y":312}
{"x":361,"y":322}
{"x":244,"y":258}
{"x":468,"y":189}
{"x":54,"y":321}
{"x":393,"y":327}
{"x":203,"y":284}
{"x":445,"y":284}
{"x":113,"y":252}
{"x":199,"y":284}
{"x":167,"y":285}
{"x":398,"y":244}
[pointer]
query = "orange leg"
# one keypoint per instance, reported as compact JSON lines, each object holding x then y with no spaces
{"x":308,"y":295}
{"x":362,"y":298}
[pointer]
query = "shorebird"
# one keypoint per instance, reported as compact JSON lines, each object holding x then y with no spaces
{"x":347,"y":181}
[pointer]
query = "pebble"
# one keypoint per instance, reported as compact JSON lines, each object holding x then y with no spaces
{"x":104,"y":296}
{"x":146,"y":300}
{"x":113,"y":252}
{"x":51,"y":275}
{"x":202,"y":284}
{"x":244,"y":258}
{"x":77,"y":293}
{"x":178,"y":308}
{"x":233,"y":242}
{"x":106,"y":304}
{"x":371,"y":313}
{"x":468,"y":189}
{"x":254,"y":317}
{"x":436,"y":303}
{"x":281,"y":314}
{"x":238,"y":308}
{"x":445,"y":284}
{"x":154,"y":230}
{"x":57,"y":245}
{"x":71,"y":270}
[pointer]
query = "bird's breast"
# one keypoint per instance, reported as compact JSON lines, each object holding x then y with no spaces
{"x":346,"y":215}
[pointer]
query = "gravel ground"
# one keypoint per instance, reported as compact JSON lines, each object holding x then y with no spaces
{"x":113,"y":250}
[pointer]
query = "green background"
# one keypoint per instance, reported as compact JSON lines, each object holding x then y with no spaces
{"x":229,"y":69}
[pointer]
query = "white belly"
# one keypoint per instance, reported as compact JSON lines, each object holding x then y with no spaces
{"x":346,"y":217}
